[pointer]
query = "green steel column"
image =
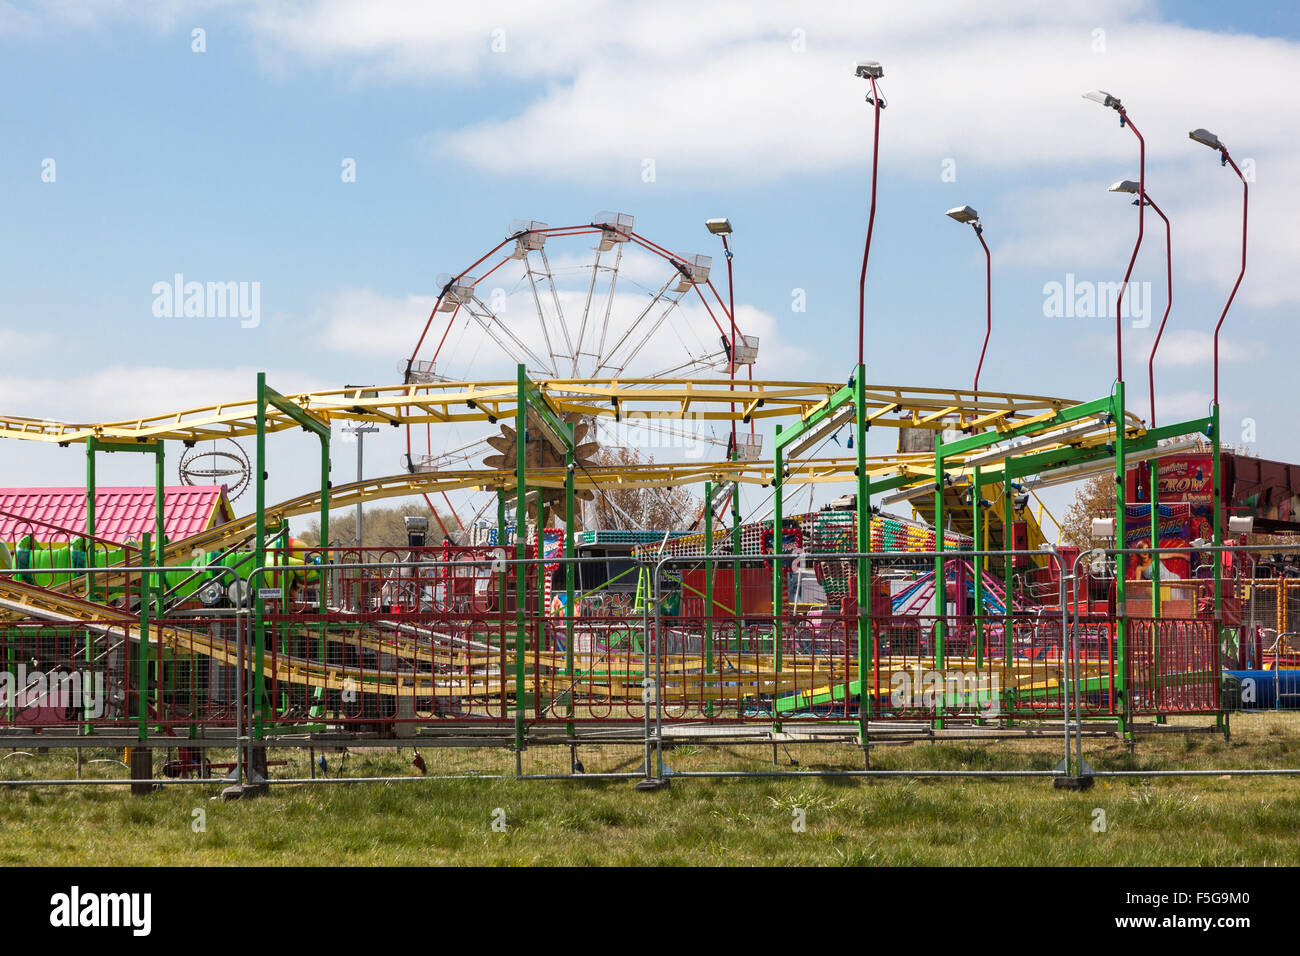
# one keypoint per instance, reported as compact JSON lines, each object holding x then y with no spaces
{"x":542,"y":610}
{"x":735,"y":556}
{"x":778,"y":539}
{"x":1154,"y":471}
{"x":160,"y":535}
{"x":866,"y":685}
{"x":940,"y":578}
{"x":569,"y":571}
{"x":1121,"y":565}
{"x":1218,"y":515}
{"x":142,"y":661}
{"x":977,"y":531}
{"x":91,"y":589}
{"x":1008,"y":581}
{"x":259,"y":546}
{"x":708,"y":593}
{"x":1218,"y":555}
{"x":323,"y":591}
{"x":521,"y":534}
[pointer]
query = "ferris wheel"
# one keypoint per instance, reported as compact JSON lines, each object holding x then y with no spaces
{"x":589,"y":301}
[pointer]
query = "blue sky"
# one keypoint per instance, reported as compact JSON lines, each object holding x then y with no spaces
{"x":225,"y":165}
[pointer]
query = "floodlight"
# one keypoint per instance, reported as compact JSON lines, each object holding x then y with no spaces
{"x":964,"y":214}
{"x":1103,"y":527}
{"x":1104,"y":98}
{"x":719,"y":227}
{"x":1206,"y":138}
{"x":1125,"y":186}
{"x":869,"y":69}
{"x":1241,"y":524}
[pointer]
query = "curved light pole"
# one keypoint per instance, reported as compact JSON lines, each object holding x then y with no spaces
{"x":1206,"y":138}
{"x":1119,"y":406}
{"x":1112,"y":102}
{"x":871,"y":71}
{"x":722,"y":227}
{"x":1129,"y":186}
{"x":968,"y":215}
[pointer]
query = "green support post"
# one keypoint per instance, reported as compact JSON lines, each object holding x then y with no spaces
{"x":521,"y":534}
{"x":708,"y":593}
{"x":737,"y":607}
{"x":1218,"y":514}
{"x":940,"y":579}
{"x":1218,"y":555}
{"x":542,"y":610}
{"x":778,"y":539}
{"x":977,"y":531}
{"x":1008,"y":582}
{"x":1121,"y":566}
{"x":91,"y":579}
{"x":267,"y":396}
{"x":569,"y":571}
{"x":1153,"y":470}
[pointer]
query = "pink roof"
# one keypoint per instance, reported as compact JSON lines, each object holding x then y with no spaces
{"x":121,"y":514}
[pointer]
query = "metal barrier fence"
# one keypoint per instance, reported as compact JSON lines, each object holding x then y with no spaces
{"x":383,"y":650}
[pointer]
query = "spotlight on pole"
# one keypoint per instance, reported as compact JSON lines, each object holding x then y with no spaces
{"x":719,"y":227}
{"x":869,"y":69}
{"x":1206,"y":138}
{"x":964,"y":214}
{"x":1104,"y":98}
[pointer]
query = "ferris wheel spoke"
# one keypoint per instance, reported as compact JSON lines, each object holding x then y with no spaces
{"x":695,"y":364}
{"x":489,"y":319}
{"x":645,"y":339}
{"x":541,"y":313}
{"x":608,"y":361}
{"x":609,"y":303}
{"x":559,"y":309}
{"x":586,"y":310}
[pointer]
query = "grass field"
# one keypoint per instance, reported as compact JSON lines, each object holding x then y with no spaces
{"x":1152,"y":821}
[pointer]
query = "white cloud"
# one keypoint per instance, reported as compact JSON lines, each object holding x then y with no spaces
{"x":121,"y":392}
{"x":1191,"y":347}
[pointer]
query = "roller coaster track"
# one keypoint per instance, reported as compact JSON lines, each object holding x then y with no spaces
{"x":461,"y":402}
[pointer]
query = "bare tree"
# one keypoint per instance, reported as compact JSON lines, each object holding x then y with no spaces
{"x":642,"y":509}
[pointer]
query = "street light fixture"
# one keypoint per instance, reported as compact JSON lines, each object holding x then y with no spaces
{"x":968,"y":215}
{"x":1105,"y":99}
{"x":1206,"y":138}
{"x":1112,"y":102}
{"x":719,"y":227}
{"x":870,"y":70}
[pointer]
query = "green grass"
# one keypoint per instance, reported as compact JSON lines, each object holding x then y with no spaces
{"x":1204,"y":821}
